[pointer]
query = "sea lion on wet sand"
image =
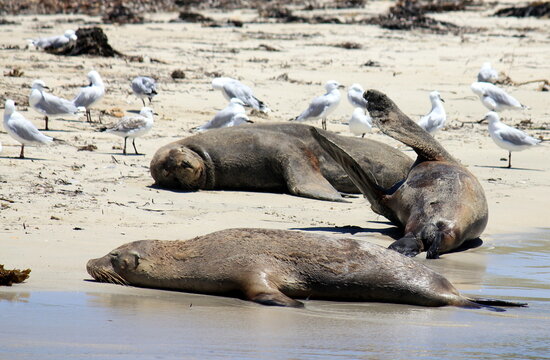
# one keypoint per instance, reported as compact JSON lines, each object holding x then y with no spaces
{"x":271,"y":157}
{"x":272,"y":267}
{"x":440,"y":204}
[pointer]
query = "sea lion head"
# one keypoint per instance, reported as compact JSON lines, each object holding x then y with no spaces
{"x":178,"y":167}
{"x":121,"y":266}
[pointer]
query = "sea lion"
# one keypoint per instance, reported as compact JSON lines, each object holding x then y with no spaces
{"x":271,"y":157}
{"x":440,"y":204}
{"x":272,"y":267}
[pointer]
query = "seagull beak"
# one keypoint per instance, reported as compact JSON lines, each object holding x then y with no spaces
{"x":155,"y":113}
{"x":341,"y":86}
{"x":482,"y":120}
{"x":441,"y":99}
{"x":45,"y":87}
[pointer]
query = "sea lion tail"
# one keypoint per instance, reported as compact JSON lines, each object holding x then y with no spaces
{"x":489,"y":304}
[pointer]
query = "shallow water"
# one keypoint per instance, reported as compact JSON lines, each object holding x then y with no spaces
{"x":151,"y":324}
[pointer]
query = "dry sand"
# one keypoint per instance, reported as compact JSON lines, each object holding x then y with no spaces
{"x":61,"y":207}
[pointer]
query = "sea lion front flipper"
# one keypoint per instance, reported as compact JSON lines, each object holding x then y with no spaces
{"x":258,"y":287}
{"x":393,"y":122}
{"x":408,"y":245}
{"x":304,"y":179}
{"x":364,"y":180}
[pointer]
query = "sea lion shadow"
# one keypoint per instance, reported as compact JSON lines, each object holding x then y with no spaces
{"x":393,"y":231}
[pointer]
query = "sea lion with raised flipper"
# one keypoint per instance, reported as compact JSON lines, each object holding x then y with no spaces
{"x":439,"y":205}
{"x":277,"y":157}
{"x":274,"y":267}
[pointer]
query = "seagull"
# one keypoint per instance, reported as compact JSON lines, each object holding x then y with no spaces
{"x":90,"y":94}
{"x":144,"y":87}
{"x":232,"y":88}
{"x":49,"y":104}
{"x":355,"y":96}
{"x":494,"y":98}
{"x":322,"y":106}
{"x":133,"y":126}
{"x":233,"y":114}
{"x":54,"y":41}
{"x":360,"y":122}
{"x":487,"y":73}
{"x":22,"y":129}
{"x":436,"y":118}
{"x":507,"y":137}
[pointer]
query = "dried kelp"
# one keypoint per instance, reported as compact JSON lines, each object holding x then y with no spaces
{"x":90,"y":41}
{"x":539,"y":9}
{"x":121,"y":14}
{"x":10,"y":277}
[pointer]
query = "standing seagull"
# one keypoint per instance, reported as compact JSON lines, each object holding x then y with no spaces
{"x":90,"y":94}
{"x":360,"y":122}
{"x":494,"y":98}
{"x":232,"y":115}
{"x":355,"y":96}
{"x":322,"y":106}
{"x":144,"y":87}
{"x":48,"y":104}
{"x":232,"y":88}
{"x":487,"y":73}
{"x":54,"y":41}
{"x":436,"y":118}
{"x":133,"y":126}
{"x":507,"y":137}
{"x":22,"y":129}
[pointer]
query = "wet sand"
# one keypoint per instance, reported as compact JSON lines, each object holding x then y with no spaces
{"x":61,"y":206}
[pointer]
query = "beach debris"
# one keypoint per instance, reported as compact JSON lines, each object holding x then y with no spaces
{"x":121,"y":14}
{"x":90,"y":41}
{"x":15,"y":72}
{"x":193,"y":17}
{"x":539,"y":9}
{"x":15,"y":276}
{"x":177,"y":74}
{"x":348,"y":45}
{"x":409,"y":15}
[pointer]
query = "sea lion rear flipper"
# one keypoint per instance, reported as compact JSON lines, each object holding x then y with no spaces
{"x":303,"y":179}
{"x":276,"y":299}
{"x":258,"y":287}
{"x":364,"y":180}
{"x":393,"y":122}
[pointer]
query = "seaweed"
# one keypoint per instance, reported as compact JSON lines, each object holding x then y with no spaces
{"x":15,"y":276}
{"x":539,"y":9}
{"x":90,"y":41}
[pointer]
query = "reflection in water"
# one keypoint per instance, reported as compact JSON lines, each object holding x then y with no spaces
{"x":146,"y":324}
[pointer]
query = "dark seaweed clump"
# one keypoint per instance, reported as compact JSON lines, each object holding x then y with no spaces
{"x":409,"y":15}
{"x":539,"y":9}
{"x":10,"y":277}
{"x":121,"y":14}
{"x":90,"y":41}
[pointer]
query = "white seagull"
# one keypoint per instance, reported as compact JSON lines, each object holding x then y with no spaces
{"x":355,"y":96}
{"x":49,"y":104}
{"x":507,"y":137}
{"x":90,"y":94}
{"x":22,"y":129}
{"x":232,"y":115}
{"x":54,"y":41}
{"x":487,"y":73}
{"x":232,"y":88}
{"x":436,"y":118}
{"x":144,"y":87}
{"x":133,"y":126}
{"x":322,"y":106}
{"x":494,"y":98}
{"x":360,"y":122}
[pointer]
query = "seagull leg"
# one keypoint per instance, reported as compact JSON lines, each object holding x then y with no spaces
{"x":143,"y":101}
{"x":124,"y":150}
{"x":134,"y":143}
{"x":324,"y":123}
{"x":88,"y":116}
{"x":46,"y":119}
{"x":363,"y":136}
{"x":22,"y":153}
{"x":509,"y":159}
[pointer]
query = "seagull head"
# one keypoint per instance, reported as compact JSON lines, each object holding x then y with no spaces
{"x":435,"y":95}
{"x":492,"y":117}
{"x":9,"y":107}
{"x":356,"y":88}
{"x":333,"y":84}
{"x":39,"y":84}
{"x":147,"y":112}
{"x":70,"y":34}
{"x":94,"y":78}
{"x":219,"y":82}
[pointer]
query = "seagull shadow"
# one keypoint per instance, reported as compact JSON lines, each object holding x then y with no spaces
{"x":25,"y":158}
{"x":506,"y":168}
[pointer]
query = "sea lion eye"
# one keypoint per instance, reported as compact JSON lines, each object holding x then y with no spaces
{"x":113,"y":254}
{"x":186,"y":164}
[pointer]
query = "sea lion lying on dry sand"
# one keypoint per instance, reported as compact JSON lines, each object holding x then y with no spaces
{"x":440,"y":204}
{"x":272,"y":267}
{"x":272,"y":157}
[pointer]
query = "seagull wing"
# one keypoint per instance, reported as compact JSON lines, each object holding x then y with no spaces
{"x":26,"y":130}
{"x":315,"y":109}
